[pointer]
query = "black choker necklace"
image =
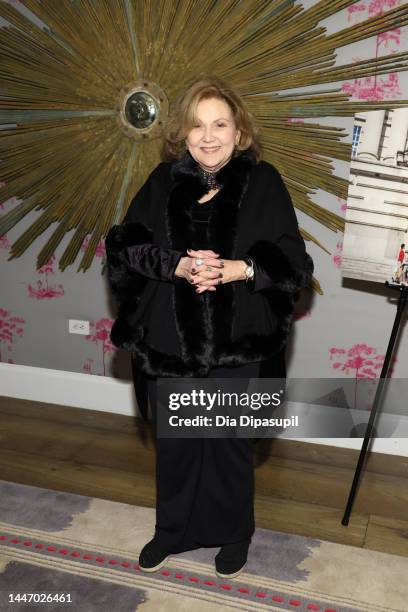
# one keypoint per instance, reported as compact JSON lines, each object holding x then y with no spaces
{"x":209,"y":178}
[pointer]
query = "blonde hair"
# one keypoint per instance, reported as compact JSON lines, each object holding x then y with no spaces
{"x":182,"y":119}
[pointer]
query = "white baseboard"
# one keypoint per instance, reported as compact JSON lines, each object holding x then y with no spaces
{"x":87,"y":391}
{"x":109,"y":394}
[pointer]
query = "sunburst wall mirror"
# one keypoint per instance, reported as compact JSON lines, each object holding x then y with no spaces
{"x":86,"y":87}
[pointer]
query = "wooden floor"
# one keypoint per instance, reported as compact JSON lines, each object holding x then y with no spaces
{"x":300,"y":488}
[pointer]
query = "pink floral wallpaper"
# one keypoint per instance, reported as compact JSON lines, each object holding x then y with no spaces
{"x":100,"y":337}
{"x":44,"y":289}
{"x":363,"y":363}
{"x":11,"y":330}
{"x":381,"y":87}
{"x":361,"y":360}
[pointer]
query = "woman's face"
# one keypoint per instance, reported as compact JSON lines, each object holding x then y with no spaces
{"x":212,"y":140}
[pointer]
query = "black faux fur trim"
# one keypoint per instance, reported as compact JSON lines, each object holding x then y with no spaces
{"x":125,"y":284}
{"x":200,"y":318}
{"x":252,"y":347}
{"x":156,"y":363}
{"x":279,"y":268}
{"x":127,"y":234}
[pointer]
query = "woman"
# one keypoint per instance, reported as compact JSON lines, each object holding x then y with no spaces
{"x":205,"y":269}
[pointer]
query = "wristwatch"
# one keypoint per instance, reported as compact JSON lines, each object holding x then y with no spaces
{"x":249,"y":270}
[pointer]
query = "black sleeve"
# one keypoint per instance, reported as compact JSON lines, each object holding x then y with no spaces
{"x":153,"y":261}
{"x":129,"y":246}
{"x":282,"y":262}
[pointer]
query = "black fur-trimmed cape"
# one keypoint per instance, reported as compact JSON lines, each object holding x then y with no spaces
{"x":239,"y":322}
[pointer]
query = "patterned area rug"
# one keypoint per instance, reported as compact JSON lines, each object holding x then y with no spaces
{"x":87,"y":548}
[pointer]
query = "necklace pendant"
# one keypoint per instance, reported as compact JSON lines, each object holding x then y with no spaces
{"x":210,"y":179}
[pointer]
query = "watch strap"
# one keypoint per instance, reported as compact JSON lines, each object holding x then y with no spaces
{"x":249,"y":270}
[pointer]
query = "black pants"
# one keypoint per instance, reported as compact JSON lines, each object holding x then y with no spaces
{"x":205,"y":486}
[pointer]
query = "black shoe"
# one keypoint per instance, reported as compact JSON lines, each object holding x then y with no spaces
{"x":152,"y":556}
{"x":231,"y":559}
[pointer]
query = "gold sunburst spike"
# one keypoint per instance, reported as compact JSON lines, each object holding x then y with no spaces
{"x":76,"y":183}
{"x":309,"y":238}
{"x":45,"y":152}
{"x":138,"y":170}
{"x":371,"y":67}
{"x":315,"y":285}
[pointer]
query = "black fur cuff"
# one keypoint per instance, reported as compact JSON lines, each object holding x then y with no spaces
{"x":127,"y":234}
{"x":274,"y":269}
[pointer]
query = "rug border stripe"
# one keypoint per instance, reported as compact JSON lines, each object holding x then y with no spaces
{"x":267,"y":583}
{"x":136,"y":580}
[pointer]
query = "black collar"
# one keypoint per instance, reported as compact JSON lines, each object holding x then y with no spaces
{"x":186,"y":170}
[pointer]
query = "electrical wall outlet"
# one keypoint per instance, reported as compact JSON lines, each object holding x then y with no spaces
{"x":78,"y":327}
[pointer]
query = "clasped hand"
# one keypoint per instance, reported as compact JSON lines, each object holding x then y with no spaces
{"x":212,"y":272}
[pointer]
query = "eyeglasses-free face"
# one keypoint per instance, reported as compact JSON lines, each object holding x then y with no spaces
{"x":213,"y":138}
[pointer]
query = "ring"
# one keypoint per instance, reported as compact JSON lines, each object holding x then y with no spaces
{"x":199,"y":261}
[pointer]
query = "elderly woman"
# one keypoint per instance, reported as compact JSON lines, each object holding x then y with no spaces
{"x":205,"y":269}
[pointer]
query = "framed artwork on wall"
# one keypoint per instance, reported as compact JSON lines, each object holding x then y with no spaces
{"x":375,"y":246}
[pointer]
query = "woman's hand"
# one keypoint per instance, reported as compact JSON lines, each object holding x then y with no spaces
{"x":187,"y":267}
{"x":233,"y":270}
{"x":212,"y":272}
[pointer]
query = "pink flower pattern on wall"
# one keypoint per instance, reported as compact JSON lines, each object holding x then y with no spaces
{"x":357,"y":8}
{"x":4,"y":242}
{"x":374,"y":88}
{"x":43,"y":290}
{"x":362,"y":360}
{"x":10,"y":327}
{"x":383,"y":86}
{"x":371,"y":7}
{"x":100,"y":249}
{"x":101,"y":336}
{"x":337,"y":257}
{"x":342,"y":204}
{"x":377,"y":7}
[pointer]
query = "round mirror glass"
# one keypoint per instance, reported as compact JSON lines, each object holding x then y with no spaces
{"x":141,"y":110}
